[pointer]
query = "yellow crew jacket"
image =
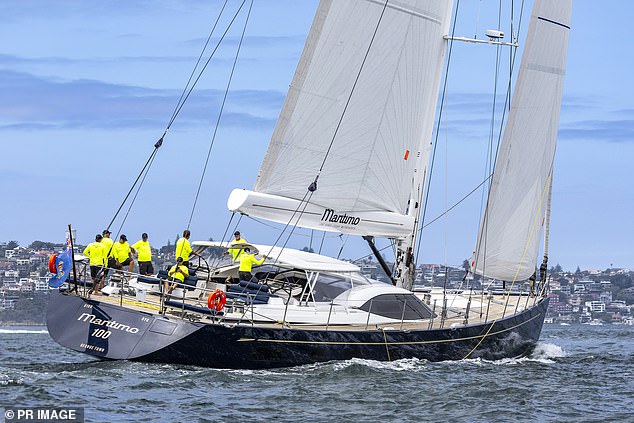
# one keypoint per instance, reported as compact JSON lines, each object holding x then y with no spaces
{"x":183,"y":248}
{"x":178,"y":275}
{"x":97,"y":253}
{"x":107,"y":242}
{"x":144,"y":250}
{"x":121,"y":251}
{"x":247,"y":261}
{"x":235,"y":252}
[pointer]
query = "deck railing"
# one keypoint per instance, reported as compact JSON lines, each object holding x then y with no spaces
{"x":194,"y":307}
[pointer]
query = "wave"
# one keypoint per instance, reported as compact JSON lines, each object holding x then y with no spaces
{"x":547,"y":351}
{"x":23,"y":331}
{"x":405,"y":364}
{"x":543,"y":353}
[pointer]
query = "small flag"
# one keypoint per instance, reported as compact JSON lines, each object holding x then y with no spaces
{"x":63,"y":263}
{"x":60,"y":265}
{"x":406,"y":155}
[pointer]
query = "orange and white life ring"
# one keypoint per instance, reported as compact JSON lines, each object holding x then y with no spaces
{"x":51,"y":263}
{"x":216,"y":300}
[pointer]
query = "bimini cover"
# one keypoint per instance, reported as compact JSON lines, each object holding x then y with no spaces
{"x":291,"y":258}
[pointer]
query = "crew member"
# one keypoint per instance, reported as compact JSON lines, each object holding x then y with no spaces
{"x":236,"y":252}
{"x":184,"y":248}
{"x":247,"y":260}
{"x":123,"y":254}
{"x":109,"y":261}
{"x":178,"y":272}
{"x":531,"y":281}
{"x":144,"y":255}
{"x":96,"y":252}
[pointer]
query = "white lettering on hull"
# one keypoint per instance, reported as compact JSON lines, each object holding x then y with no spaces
{"x":111,"y":324}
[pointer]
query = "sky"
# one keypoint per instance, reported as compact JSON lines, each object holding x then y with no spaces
{"x":88,"y":87}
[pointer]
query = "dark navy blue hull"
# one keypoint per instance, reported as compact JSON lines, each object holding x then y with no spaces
{"x":83,"y":324}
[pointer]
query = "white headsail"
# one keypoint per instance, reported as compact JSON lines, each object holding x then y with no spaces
{"x":510,"y":233}
{"x":376,"y":154}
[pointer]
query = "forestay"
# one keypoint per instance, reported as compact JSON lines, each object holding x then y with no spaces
{"x":510,"y":233}
{"x":375,"y":161}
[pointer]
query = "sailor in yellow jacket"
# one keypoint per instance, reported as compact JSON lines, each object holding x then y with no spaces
{"x":144,"y":255}
{"x":236,"y":252}
{"x":123,"y":254}
{"x":109,"y":261}
{"x":247,"y":260}
{"x":96,"y":251}
{"x":178,"y":272}
{"x":184,"y":248}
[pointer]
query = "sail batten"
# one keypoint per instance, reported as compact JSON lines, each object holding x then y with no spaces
{"x":393,"y":58}
{"x":509,"y":236}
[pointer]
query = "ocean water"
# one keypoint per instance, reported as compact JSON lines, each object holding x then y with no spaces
{"x":578,"y":373}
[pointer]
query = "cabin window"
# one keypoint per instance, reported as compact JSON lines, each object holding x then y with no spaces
{"x":391,"y":306}
{"x":328,"y":287}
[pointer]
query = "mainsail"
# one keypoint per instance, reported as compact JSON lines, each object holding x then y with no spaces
{"x":374,"y":155}
{"x":510,"y":233}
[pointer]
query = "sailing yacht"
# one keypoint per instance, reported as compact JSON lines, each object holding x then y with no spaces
{"x":350,"y":154}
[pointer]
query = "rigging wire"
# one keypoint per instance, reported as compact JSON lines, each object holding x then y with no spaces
{"x":222,"y":106}
{"x":145,"y":166}
{"x":456,"y":204}
{"x":343,"y":113}
{"x":507,"y":102}
{"x":175,"y":113}
{"x":343,"y":244}
{"x":216,"y":261}
{"x":276,"y":228}
{"x":535,"y":220}
{"x":134,"y":198}
{"x":440,"y":112}
{"x":202,"y":52}
{"x":313,"y":186}
{"x":202,"y":70}
{"x":321,"y":245}
{"x":489,"y":163}
{"x":490,"y":175}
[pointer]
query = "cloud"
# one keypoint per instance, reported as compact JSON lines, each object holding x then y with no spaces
{"x":600,"y":130}
{"x":257,"y":41}
{"x":33,"y":102}
{"x":468,"y":115}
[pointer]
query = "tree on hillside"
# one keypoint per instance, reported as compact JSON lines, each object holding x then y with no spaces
{"x":42,"y":245}
{"x":556,"y":269}
{"x":621,"y":281}
{"x":12,"y":244}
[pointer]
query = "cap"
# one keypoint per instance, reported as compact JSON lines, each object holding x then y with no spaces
{"x":123,"y":237}
{"x":180,"y":259}
{"x":98,"y":237}
{"x":143,"y":235}
{"x":106,"y":231}
{"x":236,"y":233}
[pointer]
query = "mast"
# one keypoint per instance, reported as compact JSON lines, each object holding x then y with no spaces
{"x":543,"y":268}
{"x":404,"y":266}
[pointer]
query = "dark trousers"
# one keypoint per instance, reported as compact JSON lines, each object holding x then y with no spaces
{"x":247,"y":276}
